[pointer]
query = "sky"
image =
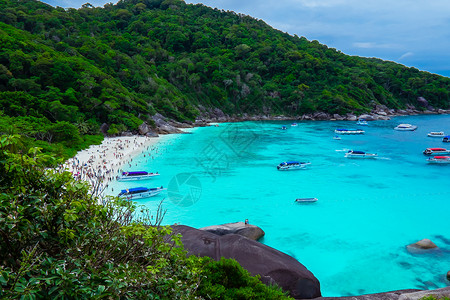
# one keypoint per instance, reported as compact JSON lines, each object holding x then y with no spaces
{"x":415,"y":33}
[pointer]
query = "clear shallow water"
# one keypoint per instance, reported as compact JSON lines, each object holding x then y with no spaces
{"x":353,"y":239}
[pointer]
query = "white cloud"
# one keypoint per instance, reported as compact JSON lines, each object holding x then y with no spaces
{"x":407,"y":54}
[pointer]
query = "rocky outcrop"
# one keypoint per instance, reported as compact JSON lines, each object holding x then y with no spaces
{"x":421,"y":245}
{"x":272,"y":265}
{"x":411,"y":294}
{"x":249,"y":231}
{"x":162,"y":126}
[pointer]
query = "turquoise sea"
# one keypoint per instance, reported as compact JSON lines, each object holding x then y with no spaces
{"x":353,"y":238}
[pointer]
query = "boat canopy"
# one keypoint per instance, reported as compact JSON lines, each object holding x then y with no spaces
{"x":442,"y":157}
{"x":344,"y":129}
{"x":137,"y":173}
{"x":437,"y":149}
{"x":356,"y":152}
{"x":134,"y":190}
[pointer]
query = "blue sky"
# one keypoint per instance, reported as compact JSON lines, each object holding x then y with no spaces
{"x":415,"y":33}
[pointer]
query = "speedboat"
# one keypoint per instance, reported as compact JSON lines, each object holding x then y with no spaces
{"x":139,"y":175}
{"x":336,"y":137}
{"x":140,"y":192}
{"x":294,"y":124}
{"x":349,"y":131}
{"x":405,"y":127}
{"x":360,"y":154}
{"x":283,"y":127}
{"x":446,"y":139}
{"x":305,"y":200}
{"x":436,"y":151}
{"x":292,"y":165}
{"x":439,"y":160}
{"x":362,"y":122}
{"x":439,"y":134}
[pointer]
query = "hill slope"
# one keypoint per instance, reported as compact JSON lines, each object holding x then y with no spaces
{"x":123,"y":63}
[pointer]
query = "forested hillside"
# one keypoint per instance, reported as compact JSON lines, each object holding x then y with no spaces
{"x":71,"y":70}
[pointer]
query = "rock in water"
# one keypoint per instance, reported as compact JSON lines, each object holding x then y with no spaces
{"x":272,"y":265}
{"x":249,"y":231}
{"x":424,"y":244}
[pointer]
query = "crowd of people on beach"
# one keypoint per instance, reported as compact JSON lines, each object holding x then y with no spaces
{"x":100,"y":164}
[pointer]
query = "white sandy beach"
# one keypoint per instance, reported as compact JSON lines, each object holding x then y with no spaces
{"x":101,"y":163}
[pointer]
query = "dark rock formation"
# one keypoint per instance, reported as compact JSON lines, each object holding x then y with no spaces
{"x":448,"y":275}
{"x":249,"y":231}
{"x":162,"y":126}
{"x":422,"y":245}
{"x":104,"y":128}
{"x":144,"y":128}
{"x":272,"y":265}
{"x":320,"y":116}
{"x":422,"y":102}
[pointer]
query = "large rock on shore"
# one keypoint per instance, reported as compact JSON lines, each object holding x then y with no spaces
{"x":249,"y":231}
{"x":272,"y":265}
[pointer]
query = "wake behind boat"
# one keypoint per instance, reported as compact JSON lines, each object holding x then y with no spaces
{"x":436,"y":151}
{"x":140,"y":192}
{"x":139,"y":175}
{"x":360,"y":154}
{"x":349,"y":131}
{"x":292,"y":165}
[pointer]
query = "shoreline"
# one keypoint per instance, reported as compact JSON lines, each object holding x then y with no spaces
{"x":100,"y":164}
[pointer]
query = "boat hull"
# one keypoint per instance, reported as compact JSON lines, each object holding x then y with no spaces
{"x":135,"y":178}
{"x":367,"y":155}
{"x":348,"y":132}
{"x":305,"y":200}
{"x":293,"y":168}
{"x":147,"y":194}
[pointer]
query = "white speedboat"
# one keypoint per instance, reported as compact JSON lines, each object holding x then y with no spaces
{"x":360,"y":154}
{"x":305,"y":200}
{"x":292,"y":165}
{"x":140,"y":192}
{"x":336,"y":137}
{"x":436,"y":151}
{"x":362,"y":122}
{"x":437,"y":134}
{"x":348,"y":131}
{"x":439,"y":160}
{"x":405,"y":127}
{"x":139,"y":175}
{"x":294,"y":124}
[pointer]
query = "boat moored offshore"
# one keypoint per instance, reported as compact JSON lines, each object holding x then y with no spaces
{"x":446,"y":139}
{"x":360,"y":154}
{"x":362,"y":122}
{"x":305,"y":200}
{"x":292,"y":165}
{"x":405,"y":127}
{"x":349,"y":131}
{"x":140,"y":192}
{"x":438,"y":134}
{"x":436,"y":151}
{"x":138,"y":175}
{"x":439,"y":160}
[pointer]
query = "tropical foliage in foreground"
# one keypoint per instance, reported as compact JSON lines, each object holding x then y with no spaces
{"x":122,"y":63}
{"x":57,"y":241}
